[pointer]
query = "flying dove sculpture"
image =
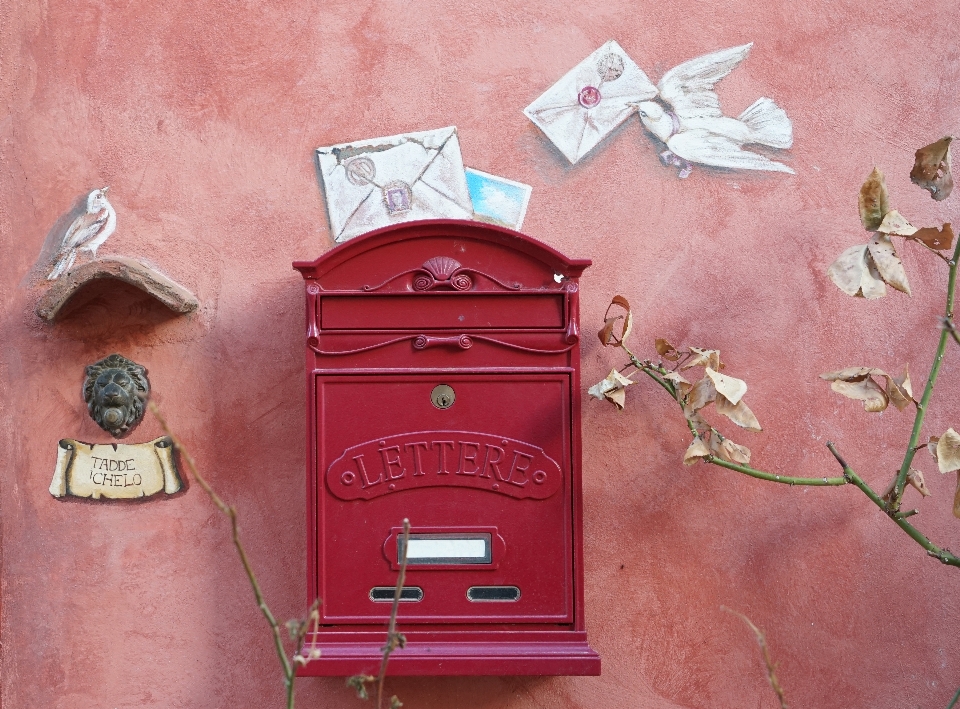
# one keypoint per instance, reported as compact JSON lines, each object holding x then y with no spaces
{"x":87,"y":232}
{"x":686,"y":117}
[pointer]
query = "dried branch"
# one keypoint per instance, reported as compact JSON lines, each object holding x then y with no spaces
{"x":394,"y":639}
{"x":765,"y":654}
{"x":289,"y":668}
{"x":656,"y":372}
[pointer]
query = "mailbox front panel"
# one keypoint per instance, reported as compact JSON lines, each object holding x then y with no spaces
{"x":495,"y":459}
{"x":443,"y":387}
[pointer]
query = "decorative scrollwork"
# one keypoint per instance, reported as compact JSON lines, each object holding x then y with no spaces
{"x":524,"y":348}
{"x":461,"y":281}
{"x":422,"y":342}
{"x":443,"y":272}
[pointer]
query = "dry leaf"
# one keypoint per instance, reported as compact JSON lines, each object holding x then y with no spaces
{"x":696,"y":451}
{"x":900,"y":390}
{"x":915,"y":478}
{"x":894,"y":223}
{"x":730,"y":387}
{"x":874,"y":204}
{"x":699,"y":423}
{"x":931,"y":169}
{"x":888,"y":263}
{"x":702,"y":393}
{"x":739,"y":413}
{"x":932,"y":446}
{"x":606,"y":332}
{"x":666,"y":350}
{"x":855,"y":383}
{"x":704,"y":358}
{"x":868,"y":391}
{"x":855,"y":273}
{"x":903,"y":381}
{"x":682,"y":385}
{"x":874,"y":398}
{"x":936,"y":239}
{"x":612,"y":388}
{"x":948,"y":451}
{"x":733,"y":453}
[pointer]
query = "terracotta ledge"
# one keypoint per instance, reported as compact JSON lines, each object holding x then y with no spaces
{"x":128,"y":270}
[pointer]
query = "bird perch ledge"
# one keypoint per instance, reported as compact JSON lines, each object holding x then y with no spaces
{"x":128,"y":270}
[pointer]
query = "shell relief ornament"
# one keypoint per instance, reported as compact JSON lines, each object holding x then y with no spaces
{"x":440,"y":271}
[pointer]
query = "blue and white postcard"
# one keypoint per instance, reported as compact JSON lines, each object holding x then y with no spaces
{"x":498,"y":200}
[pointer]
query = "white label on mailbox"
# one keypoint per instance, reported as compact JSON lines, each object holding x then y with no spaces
{"x":447,"y":549}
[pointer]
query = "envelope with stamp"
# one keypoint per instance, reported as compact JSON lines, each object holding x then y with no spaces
{"x":591,"y":100}
{"x":375,"y":183}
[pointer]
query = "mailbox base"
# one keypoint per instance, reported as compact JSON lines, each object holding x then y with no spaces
{"x":454,"y":653}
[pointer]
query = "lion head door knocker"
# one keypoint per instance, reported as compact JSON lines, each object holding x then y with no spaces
{"x":116,"y":391}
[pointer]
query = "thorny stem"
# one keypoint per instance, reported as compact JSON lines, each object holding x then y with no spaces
{"x":954,"y":701}
{"x":746,"y":470}
{"x":765,"y":654}
{"x":900,"y":484}
{"x":231,"y":512}
{"x":394,"y":639}
{"x":944,"y":555}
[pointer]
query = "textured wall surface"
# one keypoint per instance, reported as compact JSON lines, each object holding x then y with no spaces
{"x":202,"y":119}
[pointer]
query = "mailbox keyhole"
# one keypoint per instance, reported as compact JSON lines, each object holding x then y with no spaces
{"x":443,"y":396}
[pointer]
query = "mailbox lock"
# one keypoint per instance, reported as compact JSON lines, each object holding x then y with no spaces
{"x":443,"y":396}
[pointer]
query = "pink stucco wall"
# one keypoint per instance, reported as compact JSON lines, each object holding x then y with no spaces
{"x":202,"y":118}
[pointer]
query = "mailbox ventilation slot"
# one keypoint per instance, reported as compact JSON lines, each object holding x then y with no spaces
{"x":384,"y":594}
{"x":429,"y":549}
{"x":493,"y":593}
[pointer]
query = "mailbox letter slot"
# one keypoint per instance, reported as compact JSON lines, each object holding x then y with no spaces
{"x":385,"y":594}
{"x":487,"y":594}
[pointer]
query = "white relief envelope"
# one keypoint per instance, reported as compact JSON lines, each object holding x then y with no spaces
{"x":591,"y":100}
{"x":375,"y":183}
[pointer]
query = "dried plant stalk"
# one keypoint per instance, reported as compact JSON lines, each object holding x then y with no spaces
{"x":765,"y":654}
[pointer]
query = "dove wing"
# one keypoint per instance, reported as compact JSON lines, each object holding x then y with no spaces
{"x":84,"y":228}
{"x":706,"y":148}
{"x":688,"y":87}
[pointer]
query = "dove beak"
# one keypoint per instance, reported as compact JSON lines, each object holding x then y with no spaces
{"x":104,"y":189}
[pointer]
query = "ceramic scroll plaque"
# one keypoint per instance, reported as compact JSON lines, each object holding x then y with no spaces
{"x":115,"y":470}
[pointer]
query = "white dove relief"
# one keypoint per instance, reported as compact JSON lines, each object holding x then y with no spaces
{"x":692,"y":125}
{"x":87,"y":232}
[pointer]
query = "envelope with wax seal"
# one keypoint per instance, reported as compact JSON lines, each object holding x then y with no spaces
{"x":374,"y":183}
{"x":591,"y":100}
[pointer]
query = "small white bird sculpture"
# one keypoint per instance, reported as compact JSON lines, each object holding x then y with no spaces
{"x":87,"y":232}
{"x":694,"y":128}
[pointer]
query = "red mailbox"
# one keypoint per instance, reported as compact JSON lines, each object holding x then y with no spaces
{"x":443,"y":386}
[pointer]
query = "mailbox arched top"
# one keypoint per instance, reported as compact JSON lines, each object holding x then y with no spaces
{"x":356,"y":256}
